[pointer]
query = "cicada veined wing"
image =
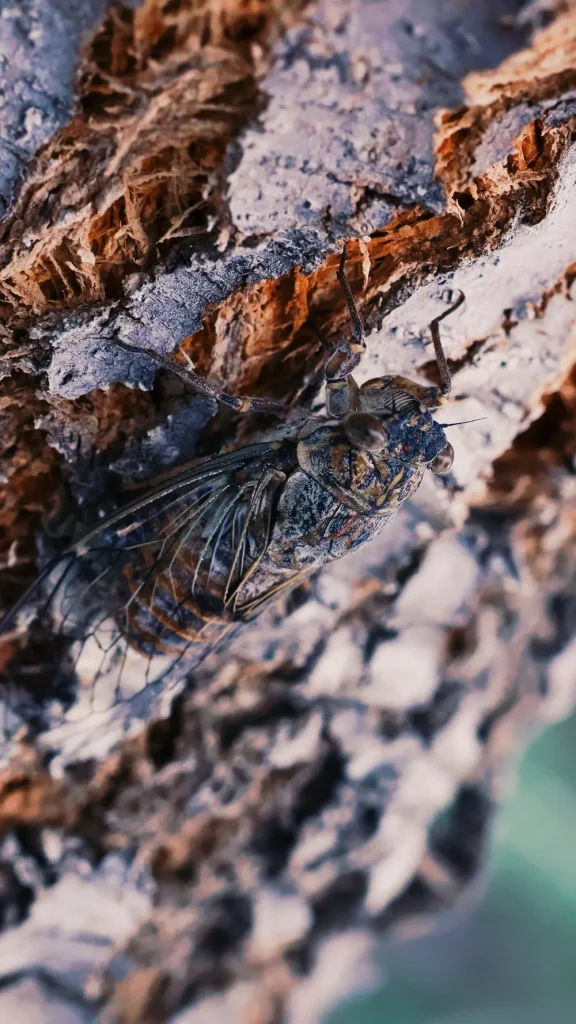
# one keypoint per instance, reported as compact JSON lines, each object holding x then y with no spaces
{"x":113,"y":626}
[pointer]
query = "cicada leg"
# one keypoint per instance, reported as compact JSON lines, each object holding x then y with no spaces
{"x":429,"y":395}
{"x":341,"y":388}
{"x":443,"y":370}
{"x":186,"y":373}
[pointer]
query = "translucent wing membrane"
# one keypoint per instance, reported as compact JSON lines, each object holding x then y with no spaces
{"x":123,"y":614}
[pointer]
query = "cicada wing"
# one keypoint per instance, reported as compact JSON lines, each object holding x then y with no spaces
{"x":126,"y":611}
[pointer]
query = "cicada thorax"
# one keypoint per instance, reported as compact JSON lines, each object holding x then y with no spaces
{"x":372,"y":483}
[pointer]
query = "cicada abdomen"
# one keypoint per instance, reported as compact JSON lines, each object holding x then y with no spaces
{"x":189,"y":553}
{"x":139,"y":600}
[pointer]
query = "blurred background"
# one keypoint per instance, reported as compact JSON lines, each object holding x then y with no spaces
{"x":513,"y":959}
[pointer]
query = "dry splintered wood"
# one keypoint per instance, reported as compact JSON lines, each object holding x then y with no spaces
{"x":188,"y":179}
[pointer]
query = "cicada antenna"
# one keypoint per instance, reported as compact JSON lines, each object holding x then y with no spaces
{"x":461,"y":423}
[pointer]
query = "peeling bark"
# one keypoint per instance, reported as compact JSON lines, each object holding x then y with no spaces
{"x":333,"y":773}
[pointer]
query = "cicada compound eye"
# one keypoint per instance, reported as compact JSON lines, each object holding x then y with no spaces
{"x":364,"y":430}
{"x":443,"y":462}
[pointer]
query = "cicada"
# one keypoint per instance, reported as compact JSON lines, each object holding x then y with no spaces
{"x":144,"y":595}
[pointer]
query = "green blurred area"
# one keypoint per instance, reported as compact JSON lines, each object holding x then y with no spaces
{"x":513,"y":959}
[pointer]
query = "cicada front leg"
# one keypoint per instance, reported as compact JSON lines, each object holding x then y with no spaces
{"x":429,"y":395}
{"x":341,"y":388}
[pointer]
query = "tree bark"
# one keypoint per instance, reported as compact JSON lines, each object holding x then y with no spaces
{"x":331,"y":774}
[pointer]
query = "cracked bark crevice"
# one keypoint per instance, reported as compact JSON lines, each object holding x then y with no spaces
{"x":332,"y":774}
{"x":163,"y":89}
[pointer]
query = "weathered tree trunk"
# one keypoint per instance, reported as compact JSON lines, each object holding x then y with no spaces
{"x":333,"y":773}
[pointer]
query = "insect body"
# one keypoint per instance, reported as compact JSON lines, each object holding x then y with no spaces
{"x":168,"y":573}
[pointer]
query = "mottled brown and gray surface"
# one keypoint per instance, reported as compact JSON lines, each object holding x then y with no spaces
{"x":39,"y":44}
{"x":332,"y":774}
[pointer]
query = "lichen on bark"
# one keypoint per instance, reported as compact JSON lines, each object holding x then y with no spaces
{"x":333,"y":773}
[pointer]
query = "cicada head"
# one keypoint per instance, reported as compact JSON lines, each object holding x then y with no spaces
{"x":405,"y":428}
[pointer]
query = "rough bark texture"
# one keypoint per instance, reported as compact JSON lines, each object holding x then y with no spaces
{"x":332,"y":774}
